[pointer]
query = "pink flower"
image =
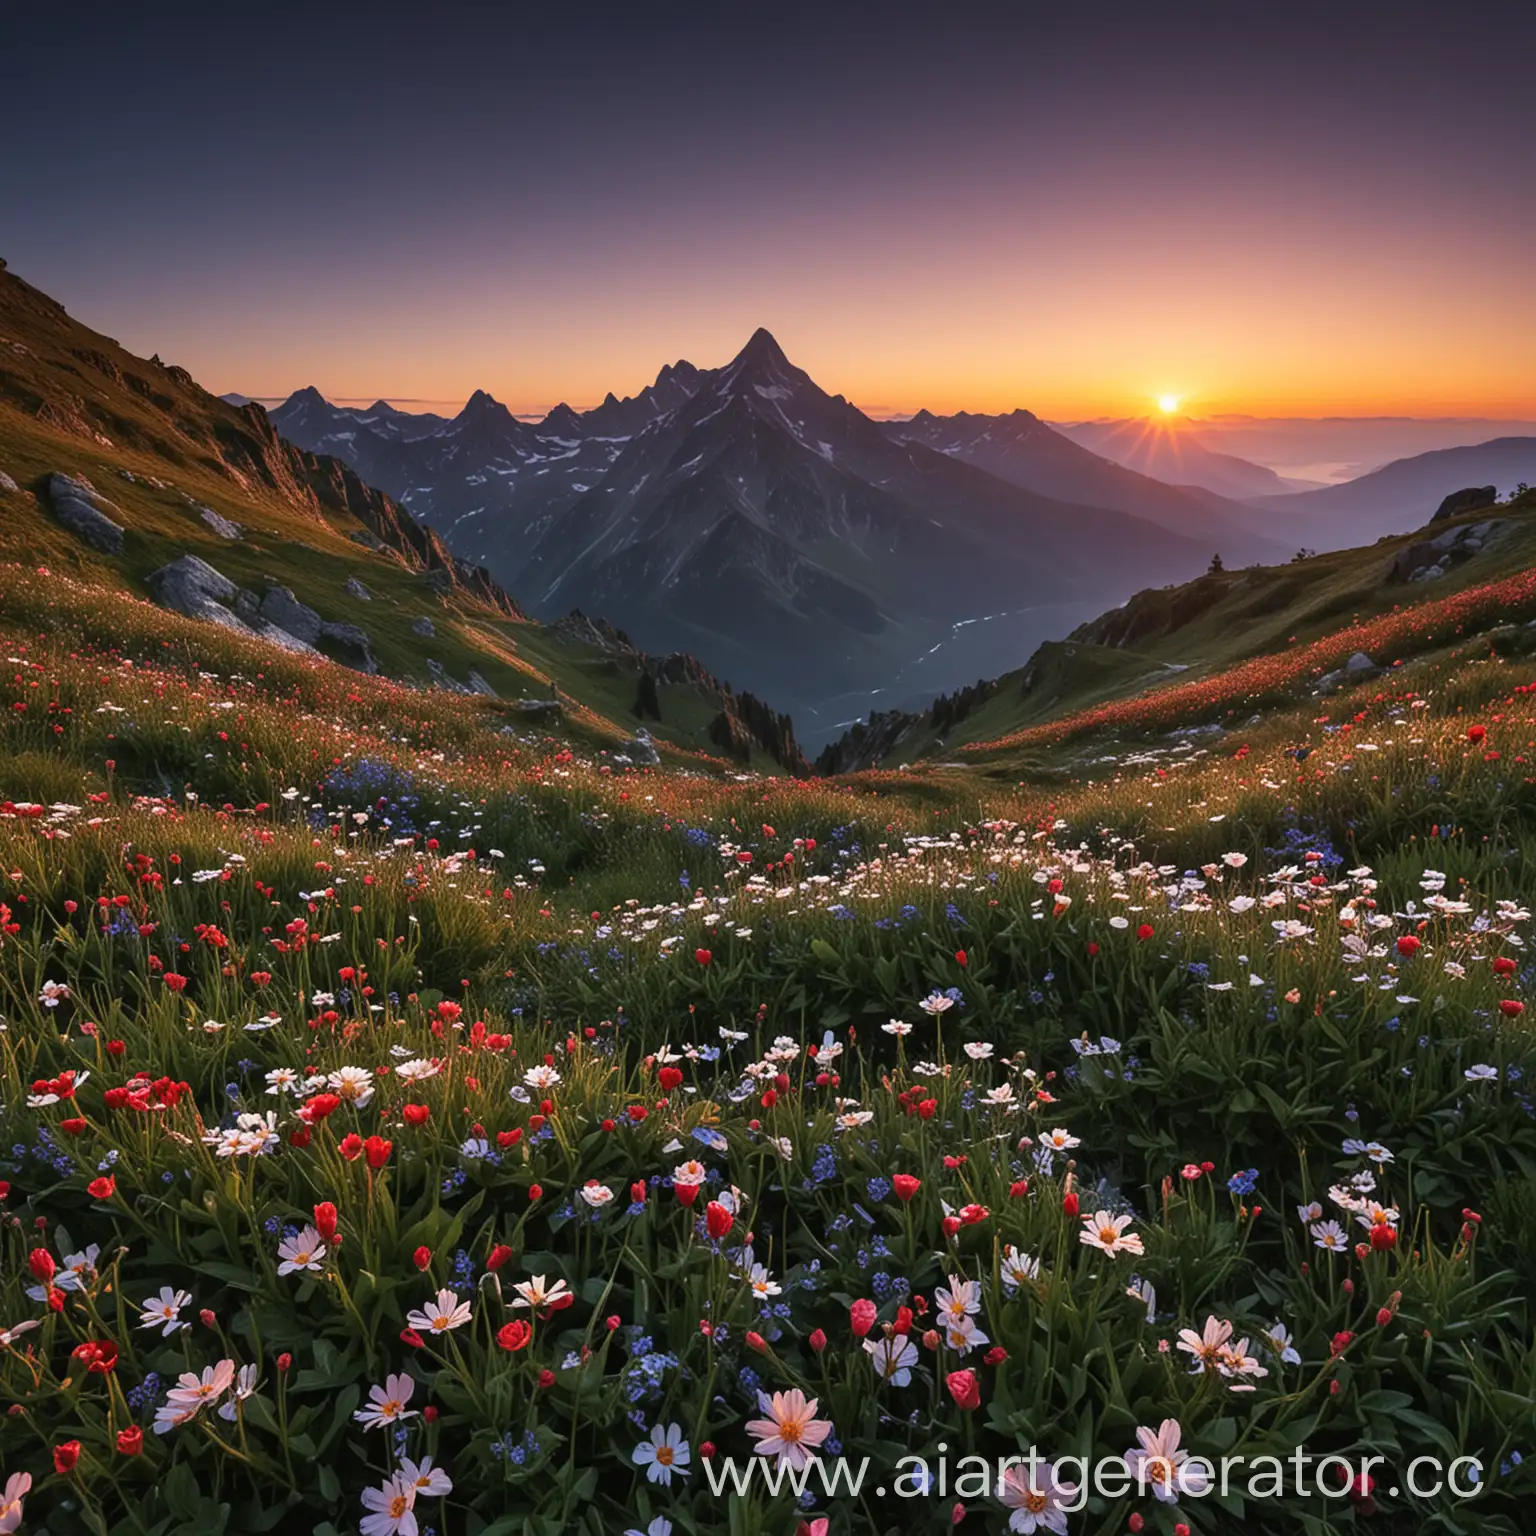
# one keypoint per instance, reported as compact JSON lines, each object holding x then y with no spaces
{"x":791,"y":1430}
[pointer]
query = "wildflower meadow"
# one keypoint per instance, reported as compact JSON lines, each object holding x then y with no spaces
{"x":413,"y":1124}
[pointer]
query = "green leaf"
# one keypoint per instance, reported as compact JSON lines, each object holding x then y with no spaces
{"x":181,"y":1492}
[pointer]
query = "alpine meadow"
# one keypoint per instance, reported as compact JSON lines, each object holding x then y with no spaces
{"x":723,"y":961}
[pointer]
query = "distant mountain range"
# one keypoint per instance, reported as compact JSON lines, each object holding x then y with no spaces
{"x":1020,"y":448}
{"x":747,"y":515}
{"x":822,"y":558}
{"x":1175,"y":452}
{"x":1399,"y":496}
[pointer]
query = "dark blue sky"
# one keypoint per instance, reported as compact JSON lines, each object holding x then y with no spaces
{"x":1268,"y":207}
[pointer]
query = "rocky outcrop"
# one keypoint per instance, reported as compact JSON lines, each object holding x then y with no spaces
{"x":192,"y":587}
{"x":350,"y":645}
{"x":282,"y":608}
{"x":1356,"y":669}
{"x":221,"y":525}
{"x":1468,"y":500}
{"x":639,"y":751}
{"x":423,"y":627}
{"x":537,"y":711}
{"x":81,"y":508}
{"x":867,"y":743}
{"x":1430,"y":559}
{"x":8,"y":487}
{"x":356,"y":589}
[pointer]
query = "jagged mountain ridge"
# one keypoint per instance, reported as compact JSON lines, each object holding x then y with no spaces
{"x":181,"y":476}
{"x":778,"y":530}
{"x":1021,"y":448}
{"x":482,"y":476}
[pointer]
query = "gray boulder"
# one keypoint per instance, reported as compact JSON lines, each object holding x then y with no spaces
{"x":192,"y":587}
{"x":282,"y":608}
{"x":478,"y":684}
{"x":423,"y":627}
{"x":538,"y":711}
{"x":641,"y":750}
{"x":353,"y":645}
{"x":1429,"y":559}
{"x":441,"y":678}
{"x":79,"y":507}
{"x":221,"y":525}
{"x":1468,"y":500}
{"x":356,"y":589}
{"x":1359,"y":663}
{"x":8,"y":487}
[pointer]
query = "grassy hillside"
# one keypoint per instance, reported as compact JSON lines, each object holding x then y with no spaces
{"x":162,"y":450}
{"x":1211,"y":652}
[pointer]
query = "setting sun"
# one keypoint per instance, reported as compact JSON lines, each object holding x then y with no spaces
{"x":1168,"y":404}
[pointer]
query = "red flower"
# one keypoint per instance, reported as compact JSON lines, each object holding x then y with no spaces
{"x":546,"y":1379}
{"x":703,"y":956}
{"x":817,"y":1341}
{"x":1069,"y":1203}
{"x":130,"y":1441}
{"x":41,"y":1264}
{"x":1145,"y":932}
{"x":73,"y":1126}
{"x":65,"y":1456}
{"x":717,"y":1220}
{"x":514,"y":1336}
{"x":1475,"y":733}
{"x":757,"y":1341}
{"x":498,"y":1256}
{"x":960,"y":958}
{"x":377,"y":1150}
{"x":1383,"y":1236}
{"x":415,"y":1114}
{"x":669,"y":1078}
{"x":422,"y":1257}
{"x":861,"y":1316}
{"x":99,"y":1356}
{"x":1408,"y":946}
{"x":965,"y":1389}
{"x":905,"y":1186}
{"x":325,"y":1221}
{"x":350,"y":1146}
{"x":1511,"y":1007}
{"x":320,"y":1107}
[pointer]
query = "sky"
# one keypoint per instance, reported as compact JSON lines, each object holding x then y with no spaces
{"x":1288,"y":209}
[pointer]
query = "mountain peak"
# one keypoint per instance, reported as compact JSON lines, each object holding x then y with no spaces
{"x":309,"y":395}
{"x":762,"y":351}
{"x":561,"y":419}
